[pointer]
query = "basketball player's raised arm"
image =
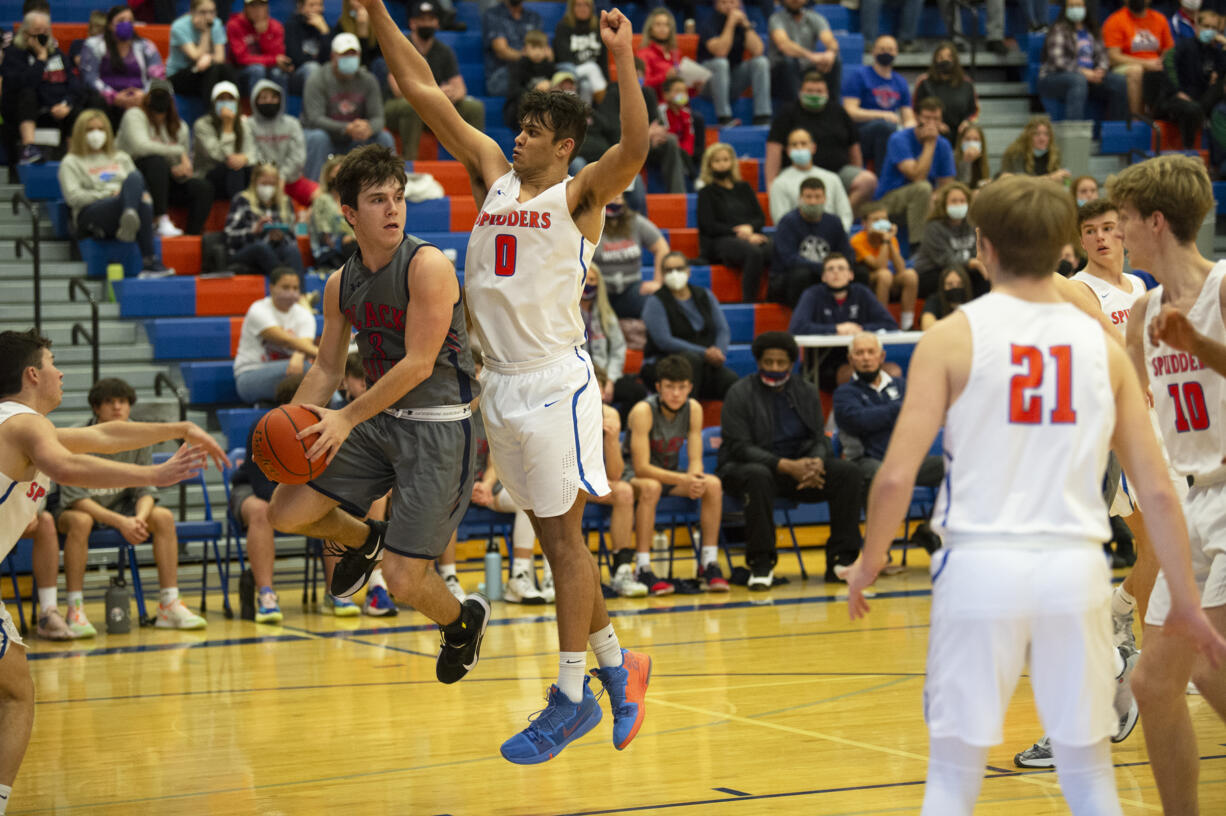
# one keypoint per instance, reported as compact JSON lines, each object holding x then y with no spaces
{"x":599,"y":183}
{"x":480,"y":155}
{"x":1134,"y":443}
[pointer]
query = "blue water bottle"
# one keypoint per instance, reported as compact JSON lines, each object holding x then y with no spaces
{"x":493,"y":572}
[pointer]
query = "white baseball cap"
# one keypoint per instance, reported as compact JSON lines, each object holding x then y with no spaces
{"x":345,"y":42}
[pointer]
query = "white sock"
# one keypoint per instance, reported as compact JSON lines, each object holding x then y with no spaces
{"x":604,"y":644}
{"x":710,"y":554}
{"x":642,"y":560}
{"x":907,"y":321}
{"x":169,"y":596}
{"x":571,"y":668}
{"x":76,"y":598}
{"x":522,"y":566}
{"x":1121,"y":602}
{"x":955,"y":774}
{"x":446,"y":569}
{"x":5,"y":792}
{"x":1119,"y":663}
{"x":1087,"y":779}
{"x":376,"y":579}
{"x":47,"y":599}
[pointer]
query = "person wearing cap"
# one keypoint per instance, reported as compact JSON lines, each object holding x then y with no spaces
{"x":503,"y":28}
{"x":224,"y":144}
{"x":342,"y":107}
{"x":401,"y":118}
{"x":156,"y":139}
{"x":257,"y":46}
{"x":308,"y":42}
{"x":532,"y":71}
{"x":279,"y":140}
{"x":197,"y":59}
{"x":356,"y":21}
{"x":120,"y":65}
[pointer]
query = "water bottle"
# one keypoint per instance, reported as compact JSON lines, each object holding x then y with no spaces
{"x":118,"y":608}
{"x":114,"y":272}
{"x":493,"y":572}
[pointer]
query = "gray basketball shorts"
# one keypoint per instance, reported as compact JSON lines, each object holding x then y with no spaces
{"x":430,"y":465}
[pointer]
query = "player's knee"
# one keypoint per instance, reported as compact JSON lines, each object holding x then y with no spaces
{"x":161,"y":519}
{"x":908,"y":278}
{"x":75,"y":523}
{"x":715,"y":488}
{"x":255,"y":510}
{"x":1152,"y":684}
{"x":16,"y":687}
{"x":623,"y":494}
{"x":649,"y":490}
{"x":280,"y":515}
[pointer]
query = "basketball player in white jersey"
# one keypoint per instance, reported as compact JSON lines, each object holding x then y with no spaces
{"x":527,"y":260}
{"x":1177,"y":339}
{"x":32,"y":453}
{"x":1032,"y":394}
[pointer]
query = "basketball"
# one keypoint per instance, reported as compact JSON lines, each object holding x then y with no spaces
{"x":277,"y":451}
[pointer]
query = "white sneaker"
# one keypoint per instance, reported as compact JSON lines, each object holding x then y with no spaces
{"x":1125,"y":703}
{"x":167,"y":229}
{"x":1191,"y":689}
{"x":760,"y":582}
{"x":547,"y":587}
{"x":625,"y":584}
{"x":178,"y":616}
{"x":521,"y":589}
{"x":453,"y":586}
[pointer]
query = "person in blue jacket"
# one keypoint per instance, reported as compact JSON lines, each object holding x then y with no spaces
{"x":803,"y":239}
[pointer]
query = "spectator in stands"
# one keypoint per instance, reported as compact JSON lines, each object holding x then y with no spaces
{"x":224,"y":144}
{"x":836,"y":143}
{"x":953,"y":291}
{"x":838,"y":305}
{"x":949,"y":241}
{"x":105,"y":191}
{"x":684,"y":128}
{"x":97,"y":26}
{"x":355,"y":20}
{"x":908,"y":23}
{"x":993,"y":27}
{"x":1197,"y":83}
{"x":685,"y":319}
{"x":1085,"y":189}
{"x":46,"y":558}
{"x":342,"y":107}
{"x":1136,"y":37}
{"x":785,"y":189}
{"x":119,"y":65}
{"x":606,"y":344}
{"x":724,"y":40}
{"x":730,"y":219}
{"x":532,"y":71}
{"x":445,"y":68}
{"x":658,"y":428}
{"x":308,"y":42}
{"x":659,"y":52}
{"x":971,"y":158}
{"x":277,"y":339}
{"x":945,"y":81}
{"x":197,"y":59}
{"x":132,"y":512}
{"x":279,"y":140}
{"x":156,"y":139}
{"x":260,"y":227}
{"x":803,"y":239}
{"x":1183,"y":20}
{"x":332,"y":239}
{"x":627,"y":235}
{"x":918,"y":160}
{"x":794,"y":36}
{"x":578,"y":48}
{"x":503,"y":28}
{"x":257,"y":46}
{"x":1034,"y":152}
{"x":40,"y":89}
{"x":878,"y":101}
{"x":1076,"y":66}
{"x":877,"y":252}
{"x":773,"y":446}
{"x":866,"y":409}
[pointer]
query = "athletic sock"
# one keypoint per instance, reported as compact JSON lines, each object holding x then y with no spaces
{"x":522,"y":566}
{"x":169,"y":596}
{"x":621,"y":557}
{"x":5,"y":792}
{"x":446,"y":569}
{"x":1119,"y":663}
{"x":955,"y":774}
{"x":642,"y":561}
{"x":376,"y":579}
{"x":76,"y":598}
{"x":710,"y":554}
{"x":47,"y":599}
{"x":1122,"y":603}
{"x":571,"y":666}
{"x":908,"y":320}
{"x":604,"y":644}
{"x":1087,"y":778}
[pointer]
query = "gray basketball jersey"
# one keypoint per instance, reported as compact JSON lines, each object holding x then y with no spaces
{"x":375,"y":304}
{"x":665,"y":438}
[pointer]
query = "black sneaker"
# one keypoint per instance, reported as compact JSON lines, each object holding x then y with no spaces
{"x":456,"y":659}
{"x":923,"y":536}
{"x":712,"y":578}
{"x":355,"y":566}
{"x":998,"y":47}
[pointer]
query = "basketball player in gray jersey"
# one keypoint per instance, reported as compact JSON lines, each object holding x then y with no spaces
{"x":411,"y":430}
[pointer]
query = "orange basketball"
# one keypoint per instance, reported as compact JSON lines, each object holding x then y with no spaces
{"x":277,"y":450}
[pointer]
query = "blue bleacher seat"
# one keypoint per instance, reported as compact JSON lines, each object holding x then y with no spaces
{"x":428,"y":216}
{"x":41,"y":181}
{"x":158,"y":297}
{"x":100,"y":254}
{"x":1117,"y":138}
{"x":740,"y":317}
{"x":699,"y":276}
{"x":550,"y":14}
{"x":448,"y":240}
{"x":466,"y":45}
{"x":210,"y":381}
{"x":190,"y":108}
{"x":740,"y":359}
{"x":749,"y":141}
{"x":189,"y":338}
{"x":236,"y":423}
{"x":1219,"y":195}
{"x":838,"y":16}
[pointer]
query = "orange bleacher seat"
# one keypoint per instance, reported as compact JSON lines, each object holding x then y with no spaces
{"x":770,"y":317}
{"x":218,"y":297}
{"x":236,"y":330}
{"x":667,"y":210}
{"x":634,"y":361}
{"x":726,"y":284}
{"x":765,"y":200}
{"x":304,"y":246}
{"x":1168,"y":137}
{"x":158,"y":34}
{"x":712,"y":411}
{"x":749,"y":171}
{"x":427,"y":148}
{"x":65,"y":33}
{"x":450,"y":174}
{"x":217,"y":217}
{"x":182,"y":254}
{"x":463,"y":213}
{"x":684,"y":241}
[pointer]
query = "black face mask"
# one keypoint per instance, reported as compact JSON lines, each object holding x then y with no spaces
{"x":426,"y":32}
{"x":1065,"y":268}
{"x":42,"y":39}
{"x":955,"y":295}
{"x":944,"y":66}
{"x":268,"y":110}
{"x":868,"y":376}
{"x":159,"y":102}
{"x":721,"y":175}
{"x":885,"y":60}
{"x":840,"y":290}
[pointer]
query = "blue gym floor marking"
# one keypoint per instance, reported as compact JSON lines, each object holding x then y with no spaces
{"x":731,"y":791}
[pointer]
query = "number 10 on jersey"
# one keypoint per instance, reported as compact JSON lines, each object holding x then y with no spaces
{"x":1025,"y":407}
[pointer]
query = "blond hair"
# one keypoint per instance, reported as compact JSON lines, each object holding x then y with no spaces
{"x":1028,"y":220}
{"x":77,"y":145}
{"x":603,"y":309}
{"x":279,"y":199}
{"x":705,"y":175}
{"x":1177,"y":186}
{"x":672,"y":27}
{"x":1022,"y":149}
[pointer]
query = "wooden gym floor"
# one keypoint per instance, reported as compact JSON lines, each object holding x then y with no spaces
{"x":759,"y":704}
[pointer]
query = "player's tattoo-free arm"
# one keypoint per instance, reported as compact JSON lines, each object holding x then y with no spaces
{"x":117,"y":436}
{"x":1173,"y":328}
{"x":321,"y":380}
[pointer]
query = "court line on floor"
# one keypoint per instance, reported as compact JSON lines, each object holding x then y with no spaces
{"x":105,"y":651}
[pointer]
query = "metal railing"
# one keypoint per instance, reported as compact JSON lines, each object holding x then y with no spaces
{"x":34,"y":245}
{"x":92,"y":335}
{"x":160,"y":381}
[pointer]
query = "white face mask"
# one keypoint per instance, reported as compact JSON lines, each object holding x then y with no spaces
{"x":95,"y":139}
{"x":970,"y":145}
{"x":676,"y":280}
{"x":956,"y":211}
{"x":265,"y":192}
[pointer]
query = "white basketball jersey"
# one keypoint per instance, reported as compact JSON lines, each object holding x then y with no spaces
{"x":1026,"y":442}
{"x":524,"y":274}
{"x":1115,"y":304}
{"x":19,"y":501}
{"x":1189,"y":398}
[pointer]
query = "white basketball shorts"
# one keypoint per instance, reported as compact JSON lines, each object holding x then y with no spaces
{"x":1205,"y":510}
{"x":9,"y":636}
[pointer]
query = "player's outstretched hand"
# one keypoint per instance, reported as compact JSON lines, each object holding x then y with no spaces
{"x":1192,"y":625}
{"x":187,"y":462}
{"x":859,"y":578}
{"x":333,"y":429}
{"x":200,"y":438}
{"x":615,"y":31}
{"x":1171,"y":326}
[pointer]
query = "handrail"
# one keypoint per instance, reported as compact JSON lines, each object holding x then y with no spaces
{"x":158,"y":381}
{"x":93,"y":336}
{"x":34,"y":245}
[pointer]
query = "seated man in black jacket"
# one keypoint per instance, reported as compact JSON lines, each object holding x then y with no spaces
{"x":865,"y":409}
{"x":774,"y":446}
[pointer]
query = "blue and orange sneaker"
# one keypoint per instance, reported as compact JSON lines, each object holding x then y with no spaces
{"x":559,"y":724}
{"x":626,"y":686}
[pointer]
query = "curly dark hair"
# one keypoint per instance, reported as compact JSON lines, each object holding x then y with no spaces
{"x":775,"y":340}
{"x":368,"y":166}
{"x":563,"y":113}
{"x":675,"y":368}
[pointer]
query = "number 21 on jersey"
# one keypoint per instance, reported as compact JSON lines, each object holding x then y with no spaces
{"x":1026,"y":406}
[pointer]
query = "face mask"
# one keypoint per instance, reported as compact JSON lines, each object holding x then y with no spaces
{"x":226,"y":106}
{"x":774,"y":379}
{"x":95,"y":138}
{"x":426,"y":32}
{"x":614,"y":210}
{"x":1065,"y":268}
{"x":971,"y":144}
{"x":1206,"y":35}
{"x":159,"y":102}
{"x":42,"y":39}
{"x":722,"y":175}
{"x":681,"y":99}
{"x":944,"y":66}
{"x":885,"y":60}
{"x":955,"y":295}
{"x":124,"y":31}
{"x":268,"y":110}
{"x":676,"y":280}
{"x":1136,"y":6}
{"x":838,"y":290}
{"x":801,"y":156}
{"x":1190,"y":5}
{"x":1075,"y":14}
{"x":1040,"y":152}
{"x":1081,"y":202}
{"x":812,"y":212}
{"x":868,"y":377}
{"x":881,"y":225}
{"x":957,"y":211}
{"x":589,"y":291}
{"x":265,"y":192}
{"x":813,"y":102}
{"x":348,"y":65}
